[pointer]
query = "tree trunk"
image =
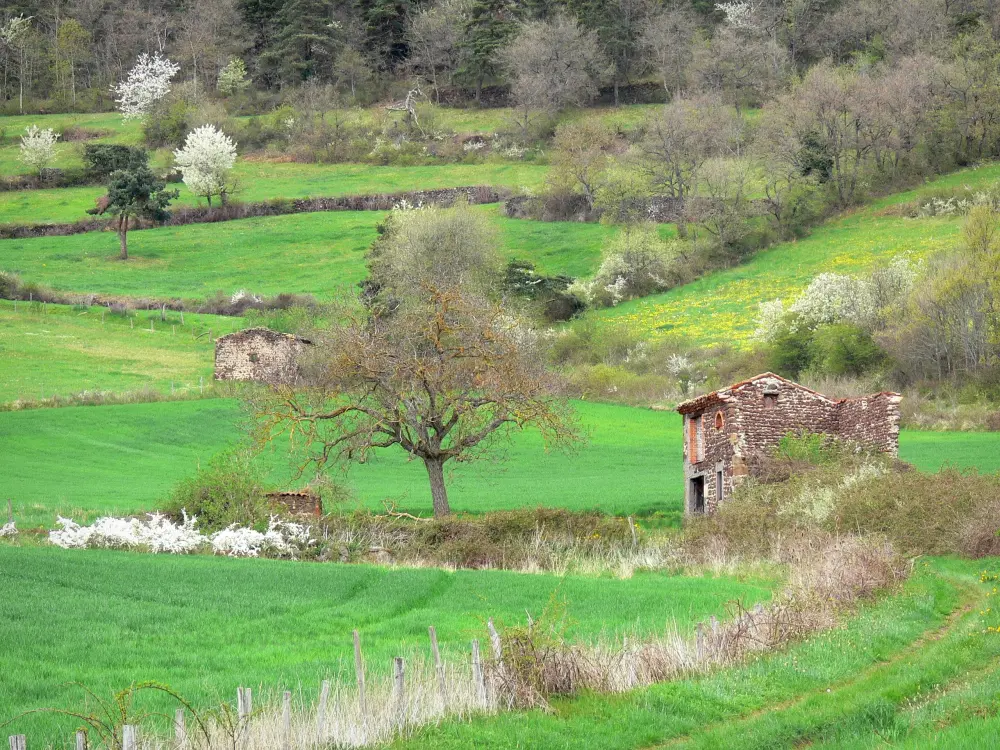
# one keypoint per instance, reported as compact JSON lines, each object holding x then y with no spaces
{"x":123,"y":238}
{"x":439,"y":493}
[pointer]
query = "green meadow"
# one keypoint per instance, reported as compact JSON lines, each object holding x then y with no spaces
{"x":315,"y":253}
{"x":205,"y":625}
{"x":126,"y":458}
{"x":916,"y":670}
{"x":49,"y":350}
{"x":265,"y":180}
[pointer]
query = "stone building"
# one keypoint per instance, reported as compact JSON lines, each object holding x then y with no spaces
{"x":259,"y":354}
{"x":298,"y":502}
{"x":726,"y":429}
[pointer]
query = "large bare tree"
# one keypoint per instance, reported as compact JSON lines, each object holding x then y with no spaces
{"x":432,"y":364}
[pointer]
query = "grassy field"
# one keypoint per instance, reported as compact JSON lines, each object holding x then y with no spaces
{"x":59,"y":350}
{"x":318,"y":253}
{"x":123,"y":459}
{"x":205,"y":625}
{"x":915,"y":670}
{"x":263,"y":180}
{"x":723,"y":306}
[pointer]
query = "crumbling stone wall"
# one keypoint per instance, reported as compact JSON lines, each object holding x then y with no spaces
{"x":871,"y":419}
{"x":298,"y":502}
{"x":258,"y":354}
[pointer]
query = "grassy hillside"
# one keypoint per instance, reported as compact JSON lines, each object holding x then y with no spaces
{"x":58,"y":350}
{"x":262,"y":180}
{"x":318,"y":253}
{"x":123,"y":459}
{"x":914,"y":670}
{"x":723,"y":306}
{"x":205,"y":625}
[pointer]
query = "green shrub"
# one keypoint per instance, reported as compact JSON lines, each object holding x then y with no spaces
{"x":790,"y":352}
{"x":844,"y":350}
{"x":230,"y":489}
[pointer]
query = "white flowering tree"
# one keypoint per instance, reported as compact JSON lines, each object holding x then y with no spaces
{"x":147,"y":83}
{"x":233,"y":78}
{"x":206,"y":161}
{"x":38,"y":147}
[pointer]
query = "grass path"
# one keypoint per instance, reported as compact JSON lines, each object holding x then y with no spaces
{"x":881,"y":677}
{"x":205,"y":625}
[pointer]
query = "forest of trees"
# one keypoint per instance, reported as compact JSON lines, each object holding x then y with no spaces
{"x":68,"y":53}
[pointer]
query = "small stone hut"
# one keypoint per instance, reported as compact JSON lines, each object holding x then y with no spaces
{"x":298,"y":502}
{"x":259,"y":354}
{"x":725,"y":429}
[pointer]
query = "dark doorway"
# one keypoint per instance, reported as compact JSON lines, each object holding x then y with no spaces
{"x":698,"y":494}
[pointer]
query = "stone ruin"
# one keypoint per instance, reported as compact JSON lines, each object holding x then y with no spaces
{"x":259,"y":354}
{"x":298,"y":502}
{"x":726,"y":429}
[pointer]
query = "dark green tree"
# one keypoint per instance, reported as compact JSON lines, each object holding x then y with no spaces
{"x":306,"y":42}
{"x":619,"y":25}
{"x":491,"y":26}
{"x":385,"y":23}
{"x":261,"y":17}
{"x":134,"y":194}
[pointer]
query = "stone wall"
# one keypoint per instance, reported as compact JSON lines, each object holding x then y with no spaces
{"x":299,"y":502}
{"x":871,"y":419}
{"x":260,"y":355}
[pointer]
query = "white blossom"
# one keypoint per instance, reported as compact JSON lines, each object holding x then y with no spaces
{"x":243,"y":294}
{"x":205,"y":161}
{"x":146,"y":84}
{"x":159,"y":534}
{"x":770,"y":316}
{"x":740,"y":14}
{"x":38,"y":147}
{"x":8,"y":530}
{"x":282,"y":539}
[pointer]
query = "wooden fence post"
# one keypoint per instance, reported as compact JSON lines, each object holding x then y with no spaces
{"x":438,"y":667}
{"x":128,"y":737}
{"x":180,"y":729}
{"x":635,"y":536}
{"x":359,"y":671}
{"x":244,"y":702}
{"x":81,"y":740}
{"x":324,"y":696}
{"x":699,"y":643}
{"x":494,"y":641}
{"x":477,"y":673}
{"x":18,"y":742}
{"x":398,"y":671}
{"x":286,"y":720}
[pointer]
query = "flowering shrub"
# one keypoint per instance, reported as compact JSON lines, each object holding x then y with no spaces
{"x":38,"y":147}
{"x":8,"y":530}
{"x":158,"y":534}
{"x":205,"y":161}
{"x":636,"y":263}
{"x":146,"y":84}
{"x":282,"y":539}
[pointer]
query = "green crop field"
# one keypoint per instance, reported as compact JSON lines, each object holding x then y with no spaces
{"x":317,"y":253}
{"x":915,"y":670}
{"x":124,"y":459}
{"x":722,"y":307}
{"x":59,"y":350}
{"x":205,"y":625}
{"x":262,"y":180}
